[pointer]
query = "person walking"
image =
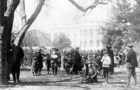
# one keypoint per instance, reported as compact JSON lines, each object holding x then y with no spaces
{"x":131,"y":64}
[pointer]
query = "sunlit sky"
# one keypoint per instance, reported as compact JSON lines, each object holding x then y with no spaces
{"x":59,"y":13}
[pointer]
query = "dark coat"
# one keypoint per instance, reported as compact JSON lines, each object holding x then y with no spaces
{"x":40,"y":60}
{"x":77,"y":61}
{"x":110,"y":52}
{"x":131,"y":58}
{"x":17,"y":63}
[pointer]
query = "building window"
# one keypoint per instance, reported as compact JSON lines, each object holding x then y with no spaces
{"x":91,"y":43}
{"x":85,"y":43}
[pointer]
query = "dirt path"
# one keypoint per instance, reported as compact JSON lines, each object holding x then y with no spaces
{"x":64,"y":82}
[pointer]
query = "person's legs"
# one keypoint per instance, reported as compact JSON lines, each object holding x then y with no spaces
{"x":48,"y":68}
{"x":107,"y":71}
{"x":134,"y":75}
{"x":104,"y":72}
{"x":39,"y":70}
{"x":14,"y":77}
{"x":18,"y":75}
{"x":129,"y":71}
{"x":55,"y":70}
{"x":111,"y":69}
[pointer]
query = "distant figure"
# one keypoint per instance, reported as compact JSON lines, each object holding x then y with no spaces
{"x":35,"y":65}
{"x":54,"y":62}
{"x":48,"y":62}
{"x":68,"y":63}
{"x":110,"y":53}
{"x":131,"y":64}
{"x":106,"y":61}
{"x":90,"y":75}
{"x":40,"y":61}
{"x":76,"y":61}
{"x":59,"y":59}
{"x":16,"y":66}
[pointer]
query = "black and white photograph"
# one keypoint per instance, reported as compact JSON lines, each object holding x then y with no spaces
{"x":69,"y":44}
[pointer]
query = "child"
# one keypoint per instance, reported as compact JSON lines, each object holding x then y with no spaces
{"x":34,"y":67}
{"x":106,"y":61}
{"x":90,"y":75}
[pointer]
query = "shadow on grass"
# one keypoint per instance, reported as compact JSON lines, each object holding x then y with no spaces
{"x":61,"y":83}
{"x":117,"y":82}
{"x":74,"y":81}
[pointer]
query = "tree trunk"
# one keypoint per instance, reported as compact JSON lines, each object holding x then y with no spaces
{"x":7,"y":8}
{"x":2,"y":73}
{"x":22,"y":32}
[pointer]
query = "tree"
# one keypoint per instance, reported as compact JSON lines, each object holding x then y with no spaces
{"x":61,"y":41}
{"x":134,"y":19}
{"x":117,"y":31}
{"x":7,"y":9}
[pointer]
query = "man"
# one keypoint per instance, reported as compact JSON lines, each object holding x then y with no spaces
{"x":40,"y":61}
{"x":131,"y":64}
{"x":76,"y":61}
{"x":54,"y":62}
{"x":16,"y":67}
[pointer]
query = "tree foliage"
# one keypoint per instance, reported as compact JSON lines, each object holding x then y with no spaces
{"x":119,"y":30}
{"x":61,"y":41}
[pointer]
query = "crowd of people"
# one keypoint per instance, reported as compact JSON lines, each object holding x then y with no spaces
{"x":86,"y":64}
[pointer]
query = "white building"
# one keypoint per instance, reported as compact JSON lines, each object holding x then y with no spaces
{"x":86,"y":37}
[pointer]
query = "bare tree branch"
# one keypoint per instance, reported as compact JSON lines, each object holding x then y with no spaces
{"x":22,"y":32}
{"x":96,"y":2}
{"x":11,"y":6}
{"x":22,"y":12}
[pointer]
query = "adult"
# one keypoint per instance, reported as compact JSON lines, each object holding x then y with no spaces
{"x":59,"y":58}
{"x":54,"y":62}
{"x":76,"y":61}
{"x":47,"y":61}
{"x":40,"y":61}
{"x":16,"y":66}
{"x":131,"y":64}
